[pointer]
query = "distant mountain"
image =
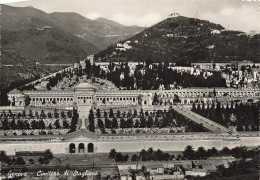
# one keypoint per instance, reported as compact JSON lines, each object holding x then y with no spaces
{"x":100,"y":33}
{"x":32,"y":34}
{"x":29,"y":35}
{"x":187,"y":40}
{"x":110,"y":22}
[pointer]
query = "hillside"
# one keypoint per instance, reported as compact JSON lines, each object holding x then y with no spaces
{"x":100,"y":32}
{"x":187,"y":40}
{"x":19,"y":71}
{"x":110,"y":22}
{"x":29,"y":35}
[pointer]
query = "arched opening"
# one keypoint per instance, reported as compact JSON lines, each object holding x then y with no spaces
{"x":72,"y":148}
{"x":90,"y":148}
{"x":81,"y":148}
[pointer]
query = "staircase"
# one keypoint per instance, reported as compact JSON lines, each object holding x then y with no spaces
{"x":207,"y":123}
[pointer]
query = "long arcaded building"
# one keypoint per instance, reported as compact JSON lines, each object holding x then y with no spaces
{"x":85,"y":96}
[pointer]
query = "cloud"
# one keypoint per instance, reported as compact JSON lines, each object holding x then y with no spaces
{"x":94,"y":15}
{"x":145,"y":20}
{"x":10,"y":1}
{"x":244,"y":17}
{"x":227,"y":11}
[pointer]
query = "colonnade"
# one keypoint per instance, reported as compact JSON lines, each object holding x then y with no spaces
{"x":51,"y":101}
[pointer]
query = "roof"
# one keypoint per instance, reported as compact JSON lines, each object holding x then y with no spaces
{"x":85,"y":134}
{"x":15,"y":91}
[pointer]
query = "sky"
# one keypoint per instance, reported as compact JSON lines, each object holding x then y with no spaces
{"x":243,"y":15}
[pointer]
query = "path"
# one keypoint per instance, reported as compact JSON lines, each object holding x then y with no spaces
{"x":208,"y":124}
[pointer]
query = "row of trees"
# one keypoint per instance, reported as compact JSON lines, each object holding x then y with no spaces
{"x":159,"y":119}
{"x":237,"y":152}
{"x":25,"y":125}
{"x":147,"y":77}
{"x":47,"y":156}
{"x":189,"y":153}
{"x":244,"y":116}
{"x":152,"y":155}
{"x":89,"y":70}
{"x":36,"y":114}
{"x":151,"y":76}
{"x":117,"y":156}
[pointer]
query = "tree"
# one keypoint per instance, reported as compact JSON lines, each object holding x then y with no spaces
{"x":98,"y":114}
{"x":69,"y":114}
{"x":4,"y":157}
{"x":212,"y":152}
{"x":108,"y":123}
{"x":155,"y":99}
{"x":176,"y":98}
{"x":31,"y":161}
{"x":137,"y":123}
{"x":129,"y":114}
{"x":239,"y":152}
{"x":5,"y":124}
{"x":48,"y":154}
{"x":57,"y":124}
{"x":100,"y":124}
{"x":42,"y":115}
{"x":150,"y":122}
{"x":179,"y":157}
{"x":201,"y":153}
{"x":34,"y":124}
{"x":36,"y":114}
{"x":225,"y":151}
{"x":30,"y":113}
{"x":20,"y":161}
{"x":56,"y":114}
{"x":62,"y":114}
{"x":143,"y":122}
{"x":41,"y":124}
{"x":41,"y":160}
{"x":49,"y":115}
{"x":134,"y":157}
{"x":112,"y":154}
{"x":122,"y":123}
{"x":13,"y":124}
{"x":114,"y":123}
{"x":23,"y":114}
{"x":65,"y":124}
{"x":129,"y":123}
{"x":91,"y":117}
{"x":111,"y":113}
{"x":105,"y":114}
{"x":135,"y":113}
{"x":118,"y":113}
{"x":189,"y":153}
{"x":74,"y":120}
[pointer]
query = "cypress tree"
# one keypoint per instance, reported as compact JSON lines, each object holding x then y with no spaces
{"x":91,"y":125}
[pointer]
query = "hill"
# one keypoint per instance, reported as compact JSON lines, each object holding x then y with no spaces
{"x":100,"y":32}
{"x":110,"y":22}
{"x":29,"y":35}
{"x":182,"y":39}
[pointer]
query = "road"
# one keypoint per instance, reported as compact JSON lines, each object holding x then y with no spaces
{"x":208,"y":124}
